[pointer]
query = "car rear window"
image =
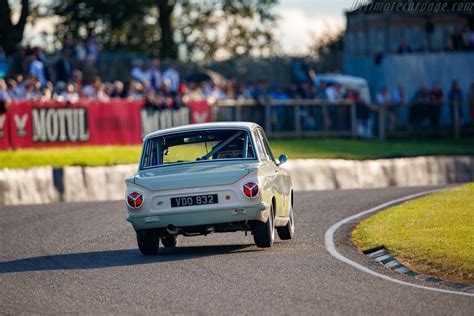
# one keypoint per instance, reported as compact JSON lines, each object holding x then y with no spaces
{"x":198,"y":146}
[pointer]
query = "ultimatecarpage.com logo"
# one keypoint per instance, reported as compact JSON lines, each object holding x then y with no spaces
{"x":413,"y":7}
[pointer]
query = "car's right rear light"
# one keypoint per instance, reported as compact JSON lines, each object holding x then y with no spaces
{"x":250,"y":190}
{"x":135,"y":200}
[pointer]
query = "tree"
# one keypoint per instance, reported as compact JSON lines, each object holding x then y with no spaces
{"x":12,"y":34}
{"x":199,"y":30}
{"x":117,"y":24}
{"x":206,"y":30}
{"x":328,"y":51}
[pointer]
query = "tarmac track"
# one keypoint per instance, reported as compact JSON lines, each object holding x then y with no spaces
{"x":83,"y":258}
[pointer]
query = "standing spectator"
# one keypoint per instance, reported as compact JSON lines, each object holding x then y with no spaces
{"x":333,"y":92}
{"x":68,"y":46}
{"x":470,"y":99}
{"x":93,"y":51}
{"x":436,"y":100}
{"x":455,"y":100}
{"x":137,"y":72}
{"x":64,"y":67}
{"x":384,"y":99}
{"x":321,"y":93}
{"x":404,"y":47}
{"x":417,"y":111}
{"x":153,"y":75}
{"x":457,"y":39}
{"x":399,"y":99}
{"x":80,"y":52}
{"x":4,"y":95}
{"x":37,"y":69}
{"x":171,"y":77}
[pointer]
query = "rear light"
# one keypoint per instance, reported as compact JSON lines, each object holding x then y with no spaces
{"x":135,"y":200}
{"x":250,"y":190}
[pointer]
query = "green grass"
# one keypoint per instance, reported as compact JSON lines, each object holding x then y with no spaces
{"x":370,"y":149}
{"x":433,"y":234}
{"x":307,"y":148}
{"x":75,"y":156}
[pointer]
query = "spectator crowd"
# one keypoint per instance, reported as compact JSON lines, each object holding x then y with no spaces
{"x":73,"y":75}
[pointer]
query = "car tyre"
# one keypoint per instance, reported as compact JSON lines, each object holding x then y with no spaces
{"x":264,"y":233}
{"x":148,"y":242}
{"x":169,"y":241}
{"x":288,"y":231}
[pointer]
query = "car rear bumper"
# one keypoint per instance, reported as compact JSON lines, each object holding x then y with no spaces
{"x":258,"y":212}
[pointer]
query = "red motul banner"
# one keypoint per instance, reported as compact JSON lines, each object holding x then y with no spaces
{"x":52,"y":124}
{"x":4,"y":131}
{"x":200,"y":111}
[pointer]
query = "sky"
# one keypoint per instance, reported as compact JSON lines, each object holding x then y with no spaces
{"x":299,"y":22}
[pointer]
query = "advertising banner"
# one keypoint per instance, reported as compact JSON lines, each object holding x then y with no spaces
{"x":30,"y":124}
{"x":200,"y":111}
{"x":4,"y":131}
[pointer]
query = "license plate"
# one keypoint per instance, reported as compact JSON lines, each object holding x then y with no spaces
{"x":194,"y":200}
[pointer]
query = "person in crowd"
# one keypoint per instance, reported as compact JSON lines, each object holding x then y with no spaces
{"x":334,"y":93}
{"x":321,"y":94}
{"x":47,"y":92}
{"x":470,"y":99}
{"x":37,"y":68}
{"x":404,"y":47}
{"x":457,"y":39}
{"x":69,"y":94}
{"x":436,"y":100}
{"x":294,"y":92}
{"x":95,"y":90}
{"x":138,"y":73}
{"x":63,"y":66}
{"x":399,"y":100}
{"x":68,"y":46}
{"x":455,"y":99}
{"x":171,"y":76}
{"x":426,"y":47}
{"x":417,"y":111}
{"x":119,"y":90}
{"x":93,"y":51}
{"x":4,"y":95}
{"x":153,"y":75}
{"x":383,"y":98}
{"x":80,"y":52}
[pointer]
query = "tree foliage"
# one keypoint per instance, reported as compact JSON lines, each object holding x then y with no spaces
{"x":195,"y":29}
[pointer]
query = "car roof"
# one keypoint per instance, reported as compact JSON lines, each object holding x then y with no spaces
{"x":203,"y":126}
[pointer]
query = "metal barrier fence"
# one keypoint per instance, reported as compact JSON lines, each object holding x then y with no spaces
{"x":306,"y":118}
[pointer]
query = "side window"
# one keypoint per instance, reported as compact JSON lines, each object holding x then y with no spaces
{"x":260,"y":147}
{"x":266,"y":145}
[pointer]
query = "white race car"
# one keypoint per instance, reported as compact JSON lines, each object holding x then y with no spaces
{"x":205,"y":178}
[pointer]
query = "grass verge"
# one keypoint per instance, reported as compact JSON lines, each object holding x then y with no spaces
{"x":301,"y":148}
{"x":432,"y":235}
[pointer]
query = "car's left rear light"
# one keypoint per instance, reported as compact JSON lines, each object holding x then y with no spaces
{"x":250,"y":190}
{"x":135,"y":200}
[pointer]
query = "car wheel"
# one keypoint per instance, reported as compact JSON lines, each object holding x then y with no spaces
{"x":288,"y":231}
{"x":148,"y":242}
{"x":264,"y":233}
{"x":170,"y":241}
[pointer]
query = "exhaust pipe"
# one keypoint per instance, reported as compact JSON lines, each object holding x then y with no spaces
{"x":172,"y":230}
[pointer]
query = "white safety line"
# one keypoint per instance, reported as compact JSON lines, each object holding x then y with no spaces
{"x":329,"y":242}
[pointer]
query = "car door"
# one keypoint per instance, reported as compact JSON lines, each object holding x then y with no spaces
{"x":277,"y":177}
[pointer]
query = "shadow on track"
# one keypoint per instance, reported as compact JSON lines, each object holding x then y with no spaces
{"x":115,"y":258}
